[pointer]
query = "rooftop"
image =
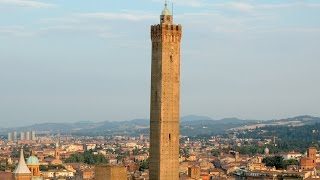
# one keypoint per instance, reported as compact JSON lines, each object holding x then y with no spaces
{"x":32,"y":160}
{"x":22,"y":167}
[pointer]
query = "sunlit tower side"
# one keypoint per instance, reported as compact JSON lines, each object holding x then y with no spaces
{"x":165,"y":98}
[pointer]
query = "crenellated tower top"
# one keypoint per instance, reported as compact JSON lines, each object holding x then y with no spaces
{"x":166,"y":31}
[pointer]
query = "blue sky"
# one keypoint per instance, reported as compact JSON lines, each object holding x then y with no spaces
{"x":76,"y":60}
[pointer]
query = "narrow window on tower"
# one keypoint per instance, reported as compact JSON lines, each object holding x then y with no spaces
{"x":171,"y":60}
{"x":169,"y":137}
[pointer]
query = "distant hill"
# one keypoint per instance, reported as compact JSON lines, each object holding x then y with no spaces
{"x":288,"y":138}
{"x":211,"y":127}
{"x":189,"y":125}
{"x":194,"y":118}
{"x":290,"y":122}
{"x":304,"y":119}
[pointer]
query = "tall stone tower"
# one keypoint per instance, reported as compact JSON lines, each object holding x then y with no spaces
{"x":165,"y":99}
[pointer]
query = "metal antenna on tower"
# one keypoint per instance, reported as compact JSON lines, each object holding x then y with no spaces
{"x":172,"y":10}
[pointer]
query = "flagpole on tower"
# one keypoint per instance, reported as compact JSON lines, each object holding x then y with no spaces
{"x":172,"y":10}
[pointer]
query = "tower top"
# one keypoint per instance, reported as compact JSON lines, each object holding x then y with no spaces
{"x":166,"y":16}
{"x":166,"y":11}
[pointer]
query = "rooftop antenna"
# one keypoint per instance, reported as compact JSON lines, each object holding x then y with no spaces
{"x":172,"y":10}
{"x":165,"y":3}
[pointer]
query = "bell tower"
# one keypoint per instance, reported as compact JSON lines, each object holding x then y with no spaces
{"x":165,"y":98}
{"x":57,"y":151}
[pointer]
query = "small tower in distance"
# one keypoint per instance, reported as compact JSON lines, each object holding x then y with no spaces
{"x":165,"y":98}
{"x":56,"y":160}
{"x":57,"y":151}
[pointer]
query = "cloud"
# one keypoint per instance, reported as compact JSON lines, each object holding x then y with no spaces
{"x":252,"y":17}
{"x":95,"y":23}
{"x":23,"y":32}
{"x":243,"y":6}
{"x":240,"y":6}
{"x":295,"y":30}
{"x":99,"y":30}
{"x":129,"y":16}
{"x":60,"y":28}
{"x":80,"y":18}
{"x":26,"y":3}
{"x":222,"y":23}
{"x":191,"y":3}
{"x":18,"y":31}
{"x":247,"y":6}
{"x":225,"y":24}
{"x":288,"y":5}
{"x":188,"y":3}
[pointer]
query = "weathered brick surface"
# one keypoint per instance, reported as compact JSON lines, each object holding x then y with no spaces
{"x":165,"y":100}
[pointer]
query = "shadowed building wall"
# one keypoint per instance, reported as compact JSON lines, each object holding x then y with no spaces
{"x":107,"y":172}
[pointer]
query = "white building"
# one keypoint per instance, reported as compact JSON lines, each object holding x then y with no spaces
{"x":291,"y":155}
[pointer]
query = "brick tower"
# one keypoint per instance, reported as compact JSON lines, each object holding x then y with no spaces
{"x":165,"y":99}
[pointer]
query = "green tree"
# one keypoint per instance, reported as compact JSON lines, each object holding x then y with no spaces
{"x":143,"y":165}
{"x":279,"y":162}
{"x":87,"y":157}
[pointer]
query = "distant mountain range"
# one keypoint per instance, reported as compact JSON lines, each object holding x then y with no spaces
{"x":189,"y":125}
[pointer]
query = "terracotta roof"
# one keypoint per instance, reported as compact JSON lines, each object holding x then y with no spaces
{"x":5,"y":175}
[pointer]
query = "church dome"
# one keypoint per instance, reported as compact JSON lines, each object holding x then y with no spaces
{"x":266,"y":150}
{"x":32,"y":160}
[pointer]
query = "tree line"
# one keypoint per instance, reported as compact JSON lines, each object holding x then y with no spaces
{"x":87,"y":157}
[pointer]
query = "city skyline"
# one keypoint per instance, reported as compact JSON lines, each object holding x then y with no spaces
{"x":66,"y":61}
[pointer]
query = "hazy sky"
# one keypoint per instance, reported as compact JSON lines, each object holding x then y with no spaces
{"x":77,"y":60}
